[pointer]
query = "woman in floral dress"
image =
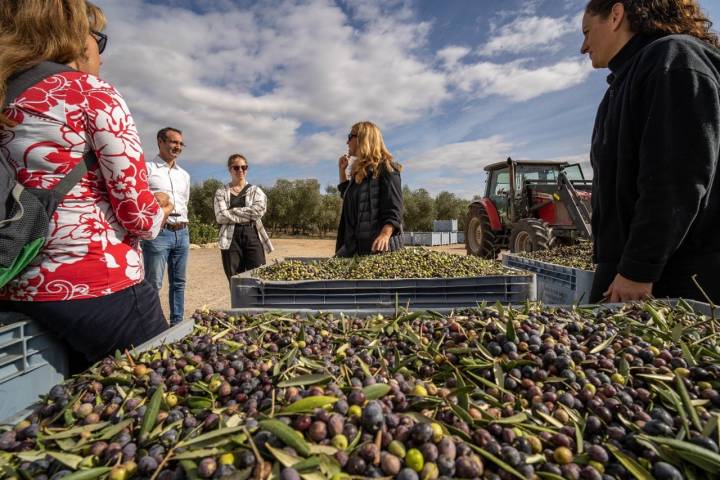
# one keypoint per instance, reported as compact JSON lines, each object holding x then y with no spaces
{"x":86,"y":285}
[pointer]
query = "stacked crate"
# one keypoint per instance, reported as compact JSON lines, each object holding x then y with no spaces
{"x":445,"y":232}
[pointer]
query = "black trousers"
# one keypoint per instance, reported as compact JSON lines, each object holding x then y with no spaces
{"x":245,"y":253}
{"x":676,"y":281}
{"x":96,"y":327}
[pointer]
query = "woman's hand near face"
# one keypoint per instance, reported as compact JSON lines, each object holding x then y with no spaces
{"x":382,"y":241}
{"x":342,"y":166}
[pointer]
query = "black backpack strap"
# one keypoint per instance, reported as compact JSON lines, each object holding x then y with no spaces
{"x":74,"y":176}
{"x":20,"y":82}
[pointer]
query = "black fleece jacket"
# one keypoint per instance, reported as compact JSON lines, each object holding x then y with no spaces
{"x":367,"y":207}
{"x":655,"y":151}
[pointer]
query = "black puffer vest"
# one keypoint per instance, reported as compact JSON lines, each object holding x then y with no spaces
{"x":371,"y":204}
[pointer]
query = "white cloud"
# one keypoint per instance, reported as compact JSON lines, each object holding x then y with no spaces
{"x":516,"y":81}
{"x":526,"y":8}
{"x":282,"y":80}
{"x":466,"y":157}
{"x":249,"y":79}
{"x":529,"y":34}
{"x":450,"y":56}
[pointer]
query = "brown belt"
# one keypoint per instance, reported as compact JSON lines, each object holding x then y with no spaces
{"x":175,"y":226}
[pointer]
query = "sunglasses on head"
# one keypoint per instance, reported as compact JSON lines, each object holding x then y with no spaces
{"x":101,"y":40}
{"x":237,"y":168}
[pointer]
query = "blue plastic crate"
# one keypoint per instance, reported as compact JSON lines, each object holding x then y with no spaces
{"x":556,"y":284}
{"x":31,"y":361}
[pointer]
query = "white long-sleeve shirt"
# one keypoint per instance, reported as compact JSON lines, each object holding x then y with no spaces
{"x":175,"y":182}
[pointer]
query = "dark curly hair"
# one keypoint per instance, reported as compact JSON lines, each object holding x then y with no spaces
{"x":652,"y":17}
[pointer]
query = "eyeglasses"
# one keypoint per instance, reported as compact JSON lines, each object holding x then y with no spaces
{"x":174,"y":142}
{"x":101,"y":40}
{"x":351,"y":135}
{"x":237,"y":168}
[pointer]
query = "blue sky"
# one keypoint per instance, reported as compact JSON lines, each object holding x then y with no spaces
{"x":454,"y":85}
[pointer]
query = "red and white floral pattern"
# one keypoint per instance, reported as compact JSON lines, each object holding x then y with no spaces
{"x":93,"y":246}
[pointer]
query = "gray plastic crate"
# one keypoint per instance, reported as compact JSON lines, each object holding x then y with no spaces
{"x":556,"y":284}
{"x":44,"y":362}
{"x":460,"y":237}
{"x":445,"y":225}
{"x":698,"y":307}
{"x":428,"y":239}
{"x":453,"y":238}
{"x":353,"y":295}
{"x":31,"y":361}
{"x":172,"y":334}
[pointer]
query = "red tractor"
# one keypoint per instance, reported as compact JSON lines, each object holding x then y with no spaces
{"x":528,"y":206}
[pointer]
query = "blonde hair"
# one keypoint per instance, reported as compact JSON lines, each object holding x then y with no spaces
{"x":33,"y":31}
{"x":371,"y":152}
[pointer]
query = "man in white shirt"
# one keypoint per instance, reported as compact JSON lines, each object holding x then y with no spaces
{"x":170,"y":248}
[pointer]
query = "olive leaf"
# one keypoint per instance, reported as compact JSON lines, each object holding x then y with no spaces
{"x":637,"y":470}
{"x":283,"y":457}
{"x":72,"y":461}
{"x":685,"y":396}
{"x":150,"y":417}
{"x":702,"y":457}
{"x":222,"y":432}
{"x":309,"y":404}
{"x":303,"y":380}
{"x":88,"y":474}
{"x":376,"y":391}
{"x":290,"y":437}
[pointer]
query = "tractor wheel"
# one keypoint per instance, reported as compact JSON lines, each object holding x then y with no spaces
{"x":479,"y":238}
{"x":529,"y":235}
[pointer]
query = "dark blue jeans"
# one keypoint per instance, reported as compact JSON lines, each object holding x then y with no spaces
{"x":169,"y":249}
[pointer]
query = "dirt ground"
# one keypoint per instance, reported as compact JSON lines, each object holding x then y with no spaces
{"x":207,"y":285}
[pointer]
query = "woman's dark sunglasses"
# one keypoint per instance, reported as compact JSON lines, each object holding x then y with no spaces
{"x":351,"y":135}
{"x":101,"y":40}
{"x":237,"y":168}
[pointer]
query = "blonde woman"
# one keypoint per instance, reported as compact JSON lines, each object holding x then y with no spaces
{"x":372,"y":210}
{"x":86,"y":284}
{"x":239,"y":208}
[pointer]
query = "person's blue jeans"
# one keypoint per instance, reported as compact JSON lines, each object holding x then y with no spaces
{"x":169,"y":248}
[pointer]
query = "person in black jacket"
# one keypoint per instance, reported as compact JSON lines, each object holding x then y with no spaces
{"x":655,"y":150}
{"x":372,"y":210}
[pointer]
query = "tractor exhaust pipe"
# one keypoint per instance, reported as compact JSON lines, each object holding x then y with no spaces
{"x":511,"y":197}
